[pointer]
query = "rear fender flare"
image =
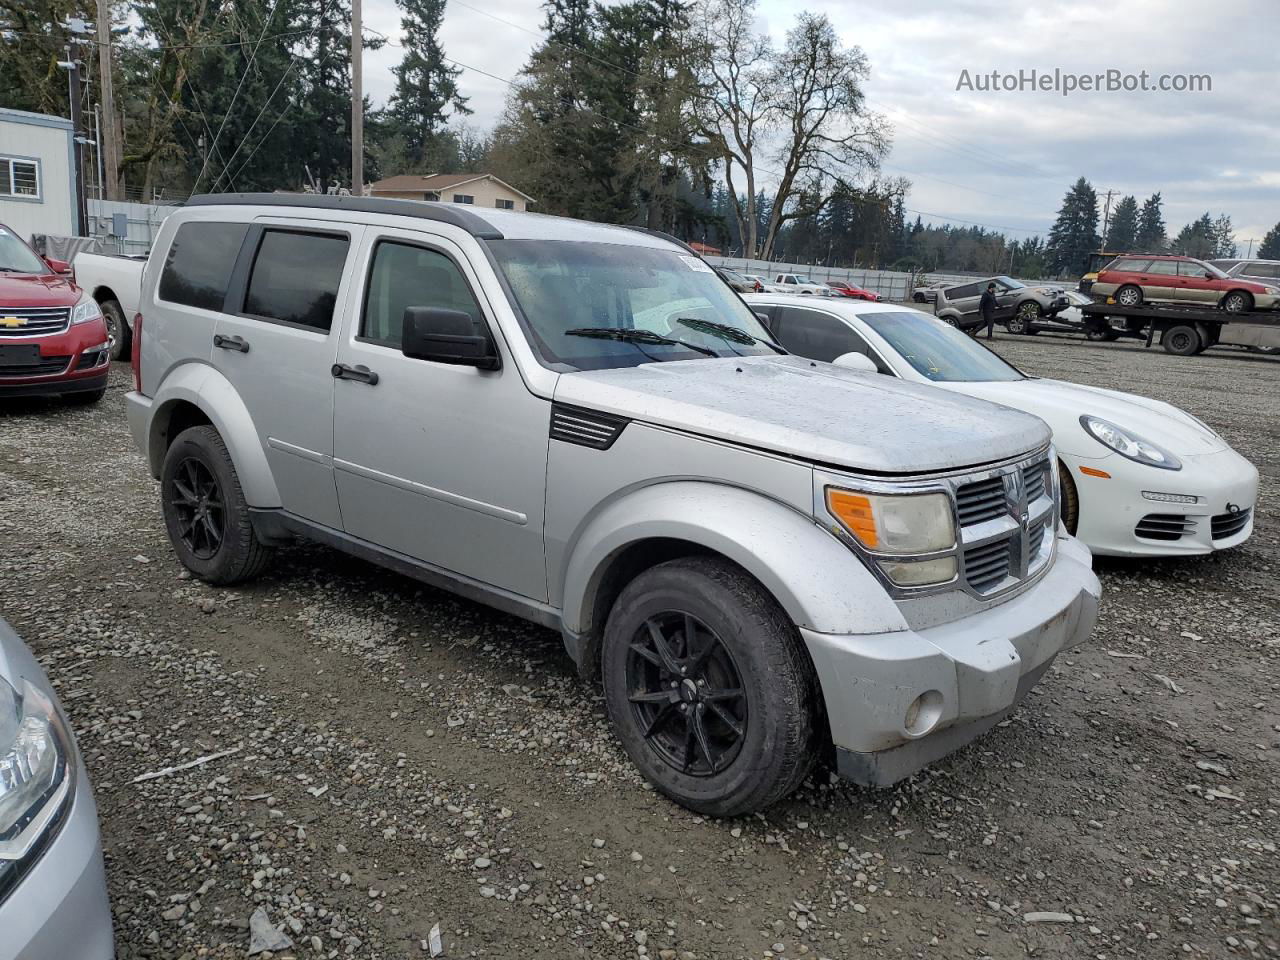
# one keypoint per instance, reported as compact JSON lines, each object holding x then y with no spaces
{"x":204,"y":387}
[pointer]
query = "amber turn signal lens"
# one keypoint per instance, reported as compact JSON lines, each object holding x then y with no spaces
{"x":1091,"y":472}
{"x":854,"y":512}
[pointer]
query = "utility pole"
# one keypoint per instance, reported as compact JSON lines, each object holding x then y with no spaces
{"x":1250,"y":253}
{"x":72,"y":66}
{"x":110,"y":137}
{"x":357,"y":101}
{"x":1106,"y":218}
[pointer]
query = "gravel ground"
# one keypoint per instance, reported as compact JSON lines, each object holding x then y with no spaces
{"x":403,"y":758}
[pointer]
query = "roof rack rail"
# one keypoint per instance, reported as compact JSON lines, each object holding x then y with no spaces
{"x":448,"y":213}
{"x":664,"y":236}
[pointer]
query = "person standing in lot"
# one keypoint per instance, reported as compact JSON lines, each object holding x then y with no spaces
{"x":988,"y":307}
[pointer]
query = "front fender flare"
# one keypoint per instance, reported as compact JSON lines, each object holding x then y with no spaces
{"x":206,"y":388}
{"x":817,"y":580}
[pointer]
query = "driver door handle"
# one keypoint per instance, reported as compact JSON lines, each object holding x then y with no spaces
{"x":360,"y":372}
{"x":238,"y":344}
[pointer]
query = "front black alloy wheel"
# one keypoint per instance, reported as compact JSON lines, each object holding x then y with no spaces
{"x":198,"y":503}
{"x":686,"y":693}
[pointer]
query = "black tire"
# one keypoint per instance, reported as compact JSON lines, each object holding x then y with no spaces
{"x":1096,"y":334}
{"x":1181,"y":341}
{"x":118,"y":328}
{"x":744,"y":638}
{"x":1024,"y":318}
{"x":951,"y":322}
{"x":1238,"y":301}
{"x":1130,"y":295}
{"x":216,"y":543}
{"x":918,"y":297}
{"x":84,"y":398}
{"x":1070,"y":499}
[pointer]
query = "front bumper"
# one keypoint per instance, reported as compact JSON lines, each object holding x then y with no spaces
{"x":899,"y":701}
{"x":1113,"y":509}
{"x":67,"y":364}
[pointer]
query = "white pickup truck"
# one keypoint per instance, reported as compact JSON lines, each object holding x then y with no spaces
{"x":798,"y":283}
{"x":115,"y":282}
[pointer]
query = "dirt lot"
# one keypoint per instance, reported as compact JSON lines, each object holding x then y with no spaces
{"x":404,"y":758}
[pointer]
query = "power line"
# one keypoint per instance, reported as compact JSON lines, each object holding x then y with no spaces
{"x":293,"y":62}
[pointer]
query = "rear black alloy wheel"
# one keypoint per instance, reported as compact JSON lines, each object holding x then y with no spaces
{"x":197,"y":501}
{"x":686,"y":693}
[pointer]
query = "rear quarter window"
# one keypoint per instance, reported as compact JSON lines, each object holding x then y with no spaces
{"x":295,"y":278}
{"x":198,"y":266}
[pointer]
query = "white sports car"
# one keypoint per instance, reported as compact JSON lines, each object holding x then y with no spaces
{"x":1139,"y":477}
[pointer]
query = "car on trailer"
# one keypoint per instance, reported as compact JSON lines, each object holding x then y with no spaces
{"x":1132,"y":281}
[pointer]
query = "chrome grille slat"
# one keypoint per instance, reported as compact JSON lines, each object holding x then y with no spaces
{"x":1004,"y":519}
{"x":1225,"y":525}
{"x":33,"y":321}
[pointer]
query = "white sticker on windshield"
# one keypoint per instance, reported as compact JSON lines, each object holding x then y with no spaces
{"x":696,"y":264}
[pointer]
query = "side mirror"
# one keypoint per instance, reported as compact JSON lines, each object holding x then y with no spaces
{"x":1208,"y":275}
{"x":447,"y":336}
{"x":60,"y":267}
{"x":856,"y":361}
{"x":764,"y":319}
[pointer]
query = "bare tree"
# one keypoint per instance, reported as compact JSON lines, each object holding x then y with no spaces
{"x":802,"y":107}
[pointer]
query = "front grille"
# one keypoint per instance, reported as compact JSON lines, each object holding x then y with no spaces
{"x":988,"y":565}
{"x":44,"y":367}
{"x":1164,"y":526}
{"x":1226,"y":525}
{"x":33,"y":321}
{"x":1004,"y":521}
{"x":981,"y":500}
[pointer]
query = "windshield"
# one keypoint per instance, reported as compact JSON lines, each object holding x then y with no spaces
{"x":595,"y":306}
{"x":1011,"y":283}
{"x":16,"y":256}
{"x":936,"y":350}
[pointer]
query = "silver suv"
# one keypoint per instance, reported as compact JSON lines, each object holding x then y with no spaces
{"x":1020,"y":308}
{"x":760,"y":557}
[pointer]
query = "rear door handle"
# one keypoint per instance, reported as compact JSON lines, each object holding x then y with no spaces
{"x":238,"y":344}
{"x":359,"y":372}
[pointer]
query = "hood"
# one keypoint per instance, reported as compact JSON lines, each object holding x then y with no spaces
{"x":1062,"y":404}
{"x":33,"y":290}
{"x":814,"y":412}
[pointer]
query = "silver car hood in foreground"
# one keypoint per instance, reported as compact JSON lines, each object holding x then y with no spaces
{"x":812,"y":411}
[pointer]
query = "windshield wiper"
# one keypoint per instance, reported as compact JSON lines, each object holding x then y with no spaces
{"x":727,"y":332}
{"x":632,"y":335}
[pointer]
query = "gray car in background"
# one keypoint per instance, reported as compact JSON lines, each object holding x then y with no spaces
{"x":1259,"y":271}
{"x":53,"y":890}
{"x":1020,"y":308}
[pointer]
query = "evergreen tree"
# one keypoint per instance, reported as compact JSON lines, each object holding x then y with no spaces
{"x":1197,"y":238}
{"x":1122,"y":234}
{"x":1224,"y":237}
{"x":1075,"y":233}
{"x":426,"y":91}
{"x":1151,"y":236}
{"x":1270,"y":248}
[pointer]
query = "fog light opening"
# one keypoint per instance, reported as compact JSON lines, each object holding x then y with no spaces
{"x":923,"y":714}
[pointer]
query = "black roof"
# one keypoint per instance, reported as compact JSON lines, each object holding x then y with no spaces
{"x":451,"y":213}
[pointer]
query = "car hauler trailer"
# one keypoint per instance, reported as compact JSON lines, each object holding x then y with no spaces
{"x":1184,"y":330}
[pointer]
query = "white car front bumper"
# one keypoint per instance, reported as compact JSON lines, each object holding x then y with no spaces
{"x":1116,"y":519}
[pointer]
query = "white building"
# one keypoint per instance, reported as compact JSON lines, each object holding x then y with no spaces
{"x":37,"y":174}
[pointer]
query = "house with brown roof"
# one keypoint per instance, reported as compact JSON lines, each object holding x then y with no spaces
{"x":481,"y":189}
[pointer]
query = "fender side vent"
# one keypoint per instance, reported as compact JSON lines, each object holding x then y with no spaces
{"x":586,"y":428}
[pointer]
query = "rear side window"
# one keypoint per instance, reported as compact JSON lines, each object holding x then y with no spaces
{"x":198,"y":266}
{"x":960,"y":293}
{"x":295,"y":278}
{"x":1129,"y":265}
{"x":404,"y":276}
{"x":1165,"y":268}
{"x":1269,"y":270}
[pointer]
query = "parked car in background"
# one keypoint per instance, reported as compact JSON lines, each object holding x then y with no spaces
{"x":1134,"y":280}
{"x":114,"y":282}
{"x":1265,"y":272}
{"x":1019,"y":307}
{"x":737,"y":281}
{"x":799,"y":283}
{"x":928,"y":293}
{"x":579,"y":424}
{"x":1139,"y":477}
{"x":53,"y":889}
{"x":844,"y":289}
{"x":53,"y":340}
{"x":762,"y":284}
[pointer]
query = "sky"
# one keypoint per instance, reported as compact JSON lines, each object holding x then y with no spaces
{"x":1001,"y":158}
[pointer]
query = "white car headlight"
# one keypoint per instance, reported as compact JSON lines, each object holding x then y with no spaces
{"x":84,"y":311}
{"x":34,"y":779}
{"x":1272,"y":290}
{"x":1129,"y":444}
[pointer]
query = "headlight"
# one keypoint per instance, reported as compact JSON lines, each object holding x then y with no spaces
{"x":1271,"y":290}
{"x":1128,"y":444}
{"x":34,"y":780}
{"x":86,"y":310}
{"x":897,"y":528}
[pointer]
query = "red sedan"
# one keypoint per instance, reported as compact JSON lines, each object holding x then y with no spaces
{"x":849,"y":290}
